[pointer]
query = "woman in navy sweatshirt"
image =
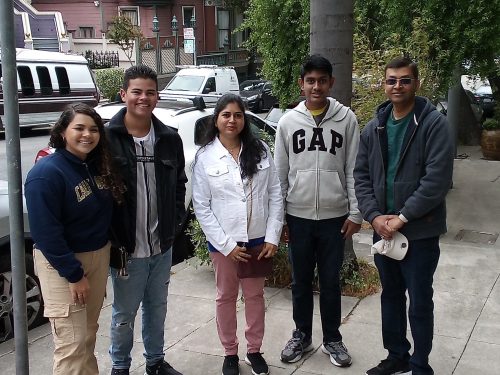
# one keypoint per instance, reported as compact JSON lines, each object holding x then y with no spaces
{"x":69,"y":196}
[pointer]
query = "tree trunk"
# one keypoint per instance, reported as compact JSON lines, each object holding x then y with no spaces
{"x":331,"y":35}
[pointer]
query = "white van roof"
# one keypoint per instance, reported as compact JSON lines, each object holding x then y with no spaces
{"x":203,"y":67}
{"x":31,"y":55}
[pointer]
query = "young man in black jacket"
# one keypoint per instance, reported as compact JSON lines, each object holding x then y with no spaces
{"x":150,"y":159}
{"x":403,"y":172}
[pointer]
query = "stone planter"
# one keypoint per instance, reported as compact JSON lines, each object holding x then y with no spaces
{"x":490,"y":144}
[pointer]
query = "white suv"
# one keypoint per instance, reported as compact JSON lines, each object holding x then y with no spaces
{"x":190,"y":121}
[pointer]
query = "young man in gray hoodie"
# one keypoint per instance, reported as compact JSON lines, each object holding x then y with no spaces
{"x":316,"y":147}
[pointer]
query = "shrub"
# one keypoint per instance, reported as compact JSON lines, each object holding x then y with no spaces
{"x":491,"y":124}
{"x":109,"y":81}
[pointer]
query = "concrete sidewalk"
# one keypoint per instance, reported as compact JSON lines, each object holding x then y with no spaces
{"x":467,"y":303}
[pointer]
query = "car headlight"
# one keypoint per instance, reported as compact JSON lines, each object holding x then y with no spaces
{"x":253,"y":97}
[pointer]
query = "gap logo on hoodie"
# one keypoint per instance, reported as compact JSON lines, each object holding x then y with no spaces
{"x":334,"y":139}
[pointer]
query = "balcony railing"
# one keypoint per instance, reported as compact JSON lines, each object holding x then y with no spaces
{"x":233,"y":57}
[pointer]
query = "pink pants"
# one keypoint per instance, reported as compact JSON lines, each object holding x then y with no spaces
{"x":228,"y":285}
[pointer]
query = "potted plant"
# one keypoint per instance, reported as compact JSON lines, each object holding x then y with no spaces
{"x":490,"y":138}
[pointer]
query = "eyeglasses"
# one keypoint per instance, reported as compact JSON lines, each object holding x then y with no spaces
{"x":402,"y":81}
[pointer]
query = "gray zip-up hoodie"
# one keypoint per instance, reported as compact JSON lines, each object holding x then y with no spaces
{"x":315,"y":162}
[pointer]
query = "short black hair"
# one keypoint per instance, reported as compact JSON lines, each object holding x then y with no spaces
{"x":139,"y":71}
{"x":403,"y":62}
{"x":316,"y":62}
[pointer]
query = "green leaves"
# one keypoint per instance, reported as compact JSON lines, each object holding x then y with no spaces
{"x":279,"y":33}
{"x":109,"y":81}
{"x":123,"y":33}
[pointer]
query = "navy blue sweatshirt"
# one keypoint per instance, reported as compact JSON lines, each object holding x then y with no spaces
{"x":69,"y":210}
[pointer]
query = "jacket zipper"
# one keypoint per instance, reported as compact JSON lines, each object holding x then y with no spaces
{"x":407,"y":145}
{"x":89,"y":174}
{"x":379,"y":129}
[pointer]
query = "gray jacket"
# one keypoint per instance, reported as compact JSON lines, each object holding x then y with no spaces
{"x":423,"y":175}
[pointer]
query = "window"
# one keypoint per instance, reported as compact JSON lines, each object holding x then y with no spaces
{"x":201,"y":129}
{"x":62,"y":79}
{"x":223,"y":29}
{"x":26,"y":79}
{"x":44,"y":79}
{"x":132,"y":13}
{"x":187,"y":13}
{"x":240,"y":36}
{"x":86,"y":32}
{"x":209,"y":86}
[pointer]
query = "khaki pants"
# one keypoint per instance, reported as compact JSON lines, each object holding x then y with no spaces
{"x":74,"y":326}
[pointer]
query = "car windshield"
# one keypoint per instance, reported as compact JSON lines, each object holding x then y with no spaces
{"x":185,"y":83}
{"x":484,"y":90}
{"x":275,"y":114}
{"x":251,"y":86}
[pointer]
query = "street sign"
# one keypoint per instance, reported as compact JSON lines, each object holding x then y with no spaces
{"x":188,"y":45}
{"x":188,"y":33}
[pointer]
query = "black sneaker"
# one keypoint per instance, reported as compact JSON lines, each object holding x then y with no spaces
{"x":119,"y":371}
{"x":390,"y":366}
{"x":337,"y":352}
{"x":296,"y":347}
{"x":258,"y":363}
{"x":161,"y":368}
{"x":231,"y":365}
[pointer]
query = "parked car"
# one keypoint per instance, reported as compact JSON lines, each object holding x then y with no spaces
{"x":258,"y":94}
{"x":191,"y":121}
{"x":47,"y":83}
{"x":484,"y":96}
{"x":209,"y":81}
{"x":275,"y":113}
{"x":34,"y":299}
{"x":477,"y":110}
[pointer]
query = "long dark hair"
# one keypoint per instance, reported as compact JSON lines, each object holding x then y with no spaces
{"x":100,"y":153}
{"x":253,"y":148}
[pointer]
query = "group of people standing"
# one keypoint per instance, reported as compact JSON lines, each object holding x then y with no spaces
{"x":123,"y":186}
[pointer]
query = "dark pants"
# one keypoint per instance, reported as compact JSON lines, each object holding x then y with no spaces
{"x":316,"y":242}
{"x":415,"y":274}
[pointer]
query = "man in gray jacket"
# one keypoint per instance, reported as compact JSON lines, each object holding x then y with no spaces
{"x":403,"y":171}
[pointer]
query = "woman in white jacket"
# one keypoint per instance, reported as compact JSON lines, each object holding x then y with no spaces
{"x":238,"y":203}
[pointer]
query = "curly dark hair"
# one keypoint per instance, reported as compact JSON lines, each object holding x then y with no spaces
{"x":100,"y":153}
{"x":253,"y":148}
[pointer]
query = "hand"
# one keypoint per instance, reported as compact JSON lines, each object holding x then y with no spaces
{"x":395,"y":223}
{"x":80,"y":290}
{"x":268,"y":251}
{"x":238,"y":254}
{"x":349,"y":228}
{"x":285,"y":234}
{"x":380,"y":226}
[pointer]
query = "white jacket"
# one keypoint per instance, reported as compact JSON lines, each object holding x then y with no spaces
{"x":315,"y":163}
{"x":219,"y":199}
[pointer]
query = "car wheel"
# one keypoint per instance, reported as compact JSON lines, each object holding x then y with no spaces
{"x":34,"y":299}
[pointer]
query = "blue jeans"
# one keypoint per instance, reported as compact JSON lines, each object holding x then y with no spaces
{"x":414,"y":273}
{"x":147,"y":283}
{"x":316,"y":242}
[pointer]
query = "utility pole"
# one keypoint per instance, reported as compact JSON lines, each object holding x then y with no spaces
{"x":331,"y":35}
{"x":14,"y":177}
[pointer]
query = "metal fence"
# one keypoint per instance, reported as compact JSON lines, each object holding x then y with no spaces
{"x":167,"y":45}
{"x":101,"y":60}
